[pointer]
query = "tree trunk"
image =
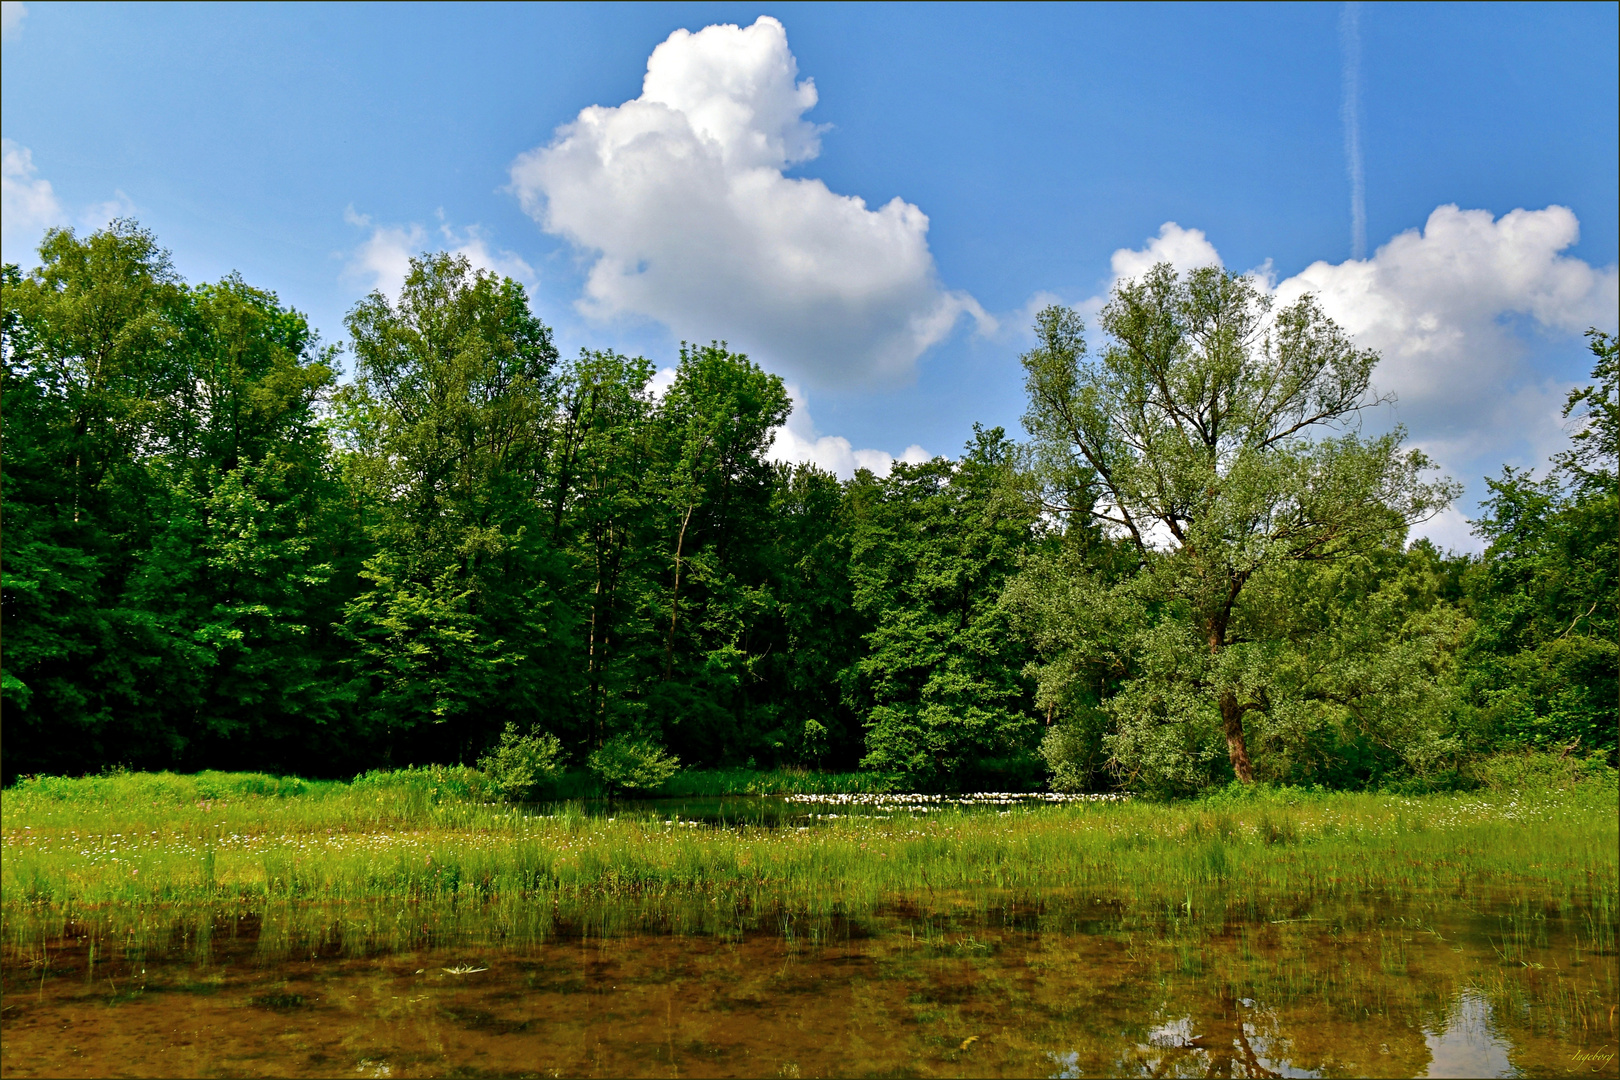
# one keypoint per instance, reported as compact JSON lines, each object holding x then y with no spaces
{"x":675,"y":598}
{"x":1236,"y":748}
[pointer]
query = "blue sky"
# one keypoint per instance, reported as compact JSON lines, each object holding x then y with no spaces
{"x":1036,"y":152}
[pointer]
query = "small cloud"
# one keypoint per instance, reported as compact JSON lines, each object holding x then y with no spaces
{"x":12,"y":14}
{"x":1184,"y":249}
{"x":1449,"y":530}
{"x":28,"y":203}
{"x":383,"y":259}
{"x":660,"y":383}
{"x":30,"y":206}
{"x":1020,"y":324}
{"x":798,"y":442}
{"x":97,"y":215}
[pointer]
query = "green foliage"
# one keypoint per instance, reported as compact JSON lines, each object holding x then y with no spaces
{"x":722,"y":782}
{"x":1543,"y":662}
{"x":940,"y":684}
{"x":1536,"y":772}
{"x":162,"y":789}
{"x":521,"y":766}
{"x":165,"y":497}
{"x":420,"y":786}
{"x":1069,"y":759}
{"x":625,"y":764}
{"x":214,"y":555}
{"x":1199,"y":437}
{"x":445,"y":429}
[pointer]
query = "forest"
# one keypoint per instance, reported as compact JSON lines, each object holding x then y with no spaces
{"x":230,"y":545}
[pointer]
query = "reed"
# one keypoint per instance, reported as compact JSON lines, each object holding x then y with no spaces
{"x":230,"y":840}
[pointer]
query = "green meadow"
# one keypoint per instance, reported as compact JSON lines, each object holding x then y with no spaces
{"x":134,"y":841}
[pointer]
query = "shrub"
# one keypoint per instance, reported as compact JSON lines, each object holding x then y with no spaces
{"x":1068,"y":757}
{"x":1537,"y":771}
{"x":813,"y":743}
{"x":624,"y":764}
{"x":518,"y":766}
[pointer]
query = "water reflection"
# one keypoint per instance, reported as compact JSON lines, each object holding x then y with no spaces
{"x":1016,"y":993}
{"x":1468,"y":1045}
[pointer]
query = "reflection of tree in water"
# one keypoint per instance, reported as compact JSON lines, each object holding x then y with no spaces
{"x":1248,"y":1040}
{"x":1358,"y":989}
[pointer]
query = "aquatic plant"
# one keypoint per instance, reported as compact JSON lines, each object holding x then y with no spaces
{"x":624,"y":764}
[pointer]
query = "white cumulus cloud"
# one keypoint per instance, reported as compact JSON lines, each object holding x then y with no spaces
{"x":679,"y":203}
{"x":1459,"y":311}
{"x":799,"y":442}
{"x":383,"y":259}
{"x":1184,"y":249}
{"x":1441,"y":303}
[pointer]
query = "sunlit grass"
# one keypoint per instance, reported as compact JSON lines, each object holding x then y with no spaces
{"x":233,"y":839}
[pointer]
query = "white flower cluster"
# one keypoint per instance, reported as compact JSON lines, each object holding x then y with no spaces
{"x":918,"y":802}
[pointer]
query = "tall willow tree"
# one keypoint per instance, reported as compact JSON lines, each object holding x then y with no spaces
{"x":1216,"y":434}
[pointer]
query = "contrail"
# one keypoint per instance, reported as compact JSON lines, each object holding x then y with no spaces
{"x":1350,"y":113}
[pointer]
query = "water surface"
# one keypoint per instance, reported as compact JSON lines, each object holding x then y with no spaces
{"x":1075,"y":989}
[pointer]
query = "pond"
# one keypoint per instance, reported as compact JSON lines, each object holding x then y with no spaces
{"x":1067,"y":988}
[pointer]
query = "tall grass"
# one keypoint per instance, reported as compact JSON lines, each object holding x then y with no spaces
{"x":712,"y":783}
{"x":232,"y":840}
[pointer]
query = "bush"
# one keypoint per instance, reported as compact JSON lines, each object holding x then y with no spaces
{"x":166,"y":788}
{"x":420,"y":786}
{"x":624,"y":764}
{"x":1069,"y":755}
{"x":520,"y":765}
{"x":1540,"y":772}
{"x":813,"y":743}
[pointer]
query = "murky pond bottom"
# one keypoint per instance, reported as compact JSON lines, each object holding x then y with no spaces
{"x":1386,"y":990}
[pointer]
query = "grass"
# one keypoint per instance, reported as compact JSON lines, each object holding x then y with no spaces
{"x":711,"y":783}
{"x":137,"y":840}
{"x":1348,"y":900}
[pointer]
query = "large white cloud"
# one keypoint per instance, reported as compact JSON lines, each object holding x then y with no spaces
{"x":1460,"y":311}
{"x":1440,"y":304}
{"x":679,"y":203}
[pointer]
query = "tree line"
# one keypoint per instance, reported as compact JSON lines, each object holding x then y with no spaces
{"x":1195,"y":567}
